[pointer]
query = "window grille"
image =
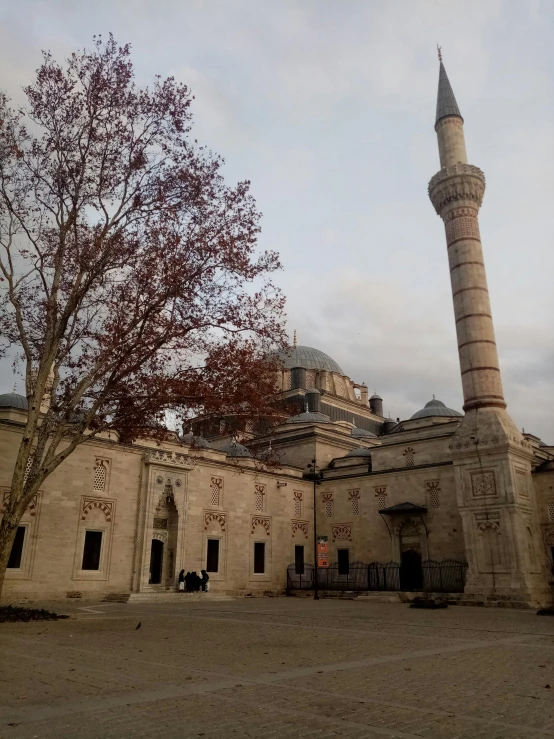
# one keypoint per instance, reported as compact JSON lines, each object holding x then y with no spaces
{"x":297,"y":504}
{"x":99,"y":476}
{"x":354,"y":496}
{"x":381,"y":500}
{"x":409,"y":455}
{"x":28,"y":468}
{"x":259,"y":497}
{"x":551,"y":511}
{"x":434,"y":499}
{"x":216,"y":487}
{"x":328,"y":500}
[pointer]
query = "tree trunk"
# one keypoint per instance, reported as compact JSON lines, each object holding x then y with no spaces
{"x":8,"y":530}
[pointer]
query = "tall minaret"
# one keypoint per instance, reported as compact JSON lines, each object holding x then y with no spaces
{"x":492,"y":460}
{"x":457,"y":192}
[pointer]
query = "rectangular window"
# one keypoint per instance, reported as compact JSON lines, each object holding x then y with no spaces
{"x":299,"y":560}
{"x":212,"y":558}
{"x":344,"y":561}
{"x":91,"y":550}
{"x":16,"y":554}
{"x":259,"y":558}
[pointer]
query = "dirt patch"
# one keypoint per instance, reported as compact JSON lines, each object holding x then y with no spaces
{"x":13,"y":614}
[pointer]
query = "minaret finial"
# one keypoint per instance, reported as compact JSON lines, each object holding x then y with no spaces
{"x":439,"y":52}
{"x":294,"y":339}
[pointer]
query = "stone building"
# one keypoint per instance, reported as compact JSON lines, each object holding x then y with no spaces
{"x":442,"y":486}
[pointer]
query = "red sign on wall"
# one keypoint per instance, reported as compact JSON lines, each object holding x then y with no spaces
{"x":322,"y":551}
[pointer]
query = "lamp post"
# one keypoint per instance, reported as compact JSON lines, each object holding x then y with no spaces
{"x":316,"y":479}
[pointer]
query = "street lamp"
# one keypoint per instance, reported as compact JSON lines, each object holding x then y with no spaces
{"x":315,"y":476}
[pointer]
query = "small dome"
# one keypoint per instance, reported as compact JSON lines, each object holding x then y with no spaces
{"x":309,"y":358}
{"x":376,"y":396}
{"x":436,"y":408}
{"x":360,"y":451}
{"x":234,"y":449}
{"x":362,"y":434}
{"x":309,"y":417}
{"x":13,"y":400}
{"x":192,"y":440}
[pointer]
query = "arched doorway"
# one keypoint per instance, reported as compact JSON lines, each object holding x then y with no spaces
{"x":411,"y":570}
{"x":156,"y":562}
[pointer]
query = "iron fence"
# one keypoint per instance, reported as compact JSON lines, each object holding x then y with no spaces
{"x":447,"y":576}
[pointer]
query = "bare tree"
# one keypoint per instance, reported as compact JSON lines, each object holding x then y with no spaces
{"x":130,"y":281}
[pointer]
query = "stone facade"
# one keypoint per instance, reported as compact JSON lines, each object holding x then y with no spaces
{"x":122,"y":518}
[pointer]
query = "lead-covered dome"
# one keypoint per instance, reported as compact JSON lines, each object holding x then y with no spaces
{"x":13,"y":400}
{"x":358,"y":433}
{"x":361,"y":451}
{"x":234,"y":449}
{"x":309,"y":358}
{"x":436,"y":408}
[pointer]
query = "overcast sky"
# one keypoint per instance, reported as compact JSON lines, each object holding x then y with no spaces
{"x":328,"y":107}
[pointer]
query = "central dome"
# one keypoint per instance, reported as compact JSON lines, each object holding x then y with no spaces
{"x":309,"y":358}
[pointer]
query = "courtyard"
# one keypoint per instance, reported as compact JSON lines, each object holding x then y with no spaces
{"x":277,"y":667}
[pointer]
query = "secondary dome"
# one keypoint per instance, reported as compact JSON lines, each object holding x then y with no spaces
{"x":13,"y":400}
{"x":361,"y":451}
{"x":436,"y":408}
{"x":357,"y":433}
{"x":234,"y":449}
{"x":195,"y":441}
{"x":309,"y":358}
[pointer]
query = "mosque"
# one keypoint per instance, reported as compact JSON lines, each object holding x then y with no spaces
{"x":444,"y":501}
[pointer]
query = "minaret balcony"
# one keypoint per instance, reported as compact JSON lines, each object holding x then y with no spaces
{"x":460,"y":182}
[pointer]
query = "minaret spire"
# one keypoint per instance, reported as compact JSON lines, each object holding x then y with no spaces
{"x":457,"y":192}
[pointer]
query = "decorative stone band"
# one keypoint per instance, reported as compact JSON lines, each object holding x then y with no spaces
{"x":169,"y":459}
{"x":461,"y":182}
{"x":300,"y":526}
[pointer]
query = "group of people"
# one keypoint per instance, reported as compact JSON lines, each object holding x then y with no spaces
{"x":192,"y":583}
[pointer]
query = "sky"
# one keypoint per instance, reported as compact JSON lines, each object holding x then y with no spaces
{"x":327,"y":107}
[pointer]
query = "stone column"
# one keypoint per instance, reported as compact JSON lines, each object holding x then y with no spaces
{"x":456,"y":193}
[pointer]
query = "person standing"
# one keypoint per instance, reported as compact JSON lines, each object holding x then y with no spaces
{"x":182,"y":581}
{"x":205,"y":579}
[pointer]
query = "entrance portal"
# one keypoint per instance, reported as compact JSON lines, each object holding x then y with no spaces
{"x":156,"y":562}
{"x":411,"y":571}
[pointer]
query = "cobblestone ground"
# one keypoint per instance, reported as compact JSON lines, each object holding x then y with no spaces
{"x":272,"y":668}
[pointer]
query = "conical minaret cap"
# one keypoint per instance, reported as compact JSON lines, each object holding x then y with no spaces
{"x":446,"y":102}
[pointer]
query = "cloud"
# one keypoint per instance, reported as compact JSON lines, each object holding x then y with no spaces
{"x":328,"y":108}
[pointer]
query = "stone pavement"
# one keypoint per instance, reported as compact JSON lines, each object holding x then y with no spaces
{"x":278,"y":667}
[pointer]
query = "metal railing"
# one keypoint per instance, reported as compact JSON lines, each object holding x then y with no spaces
{"x":447,"y":576}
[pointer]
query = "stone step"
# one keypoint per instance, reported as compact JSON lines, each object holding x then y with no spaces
{"x":169,"y":596}
{"x":380,"y":597}
{"x":116,"y":598}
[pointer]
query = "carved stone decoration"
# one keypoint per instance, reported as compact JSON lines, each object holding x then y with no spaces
{"x":220,"y":518}
{"x":433,"y":490}
{"x":455,"y":183}
{"x":328,"y":502}
{"x":178,"y":482}
{"x":216,"y":489}
{"x":354,"y":498}
{"x":160,"y":523}
{"x":261,"y":521}
{"x":521,"y":484}
{"x":483,"y":484}
{"x":31,"y":508}
{"x":159,"y":479}
{"x":300,"y":526}
{"x":341,"y":532}
{"x":160,"y":536}
{"x":409,"y":456}
{"x":297,"y":503}
{"x":105,"y":506}
{"x":170,"y":459}
{"x":381,"y":495}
